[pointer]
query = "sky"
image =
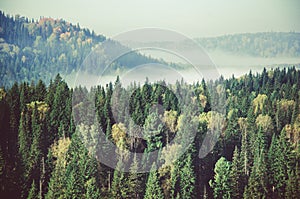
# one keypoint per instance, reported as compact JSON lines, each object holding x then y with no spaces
{"x":193,"y":18}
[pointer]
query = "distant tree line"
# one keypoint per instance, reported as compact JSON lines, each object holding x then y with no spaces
{"x":267,"y":44}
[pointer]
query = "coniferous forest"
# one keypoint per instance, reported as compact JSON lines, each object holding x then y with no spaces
{"x":256,"y":156}
{"x":44,"y":153}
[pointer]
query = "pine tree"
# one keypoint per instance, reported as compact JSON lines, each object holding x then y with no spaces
{"x":135,"y":181}
{"x":33,"y":193}
{"x":92,"y":190}
{"x":220,"y":184}
{"x":74,"y":182}
{"x":10,"y":141}
{"x":40,"y":91}
{"x":80,"y":168}
{"x":292,"y":185}
{"x":119,"y":187}
{"x":231,"y":132}
{"x":175,"y":177}
{"x":153,"y":130}
{"x":153,"y":189}
{"x":24,"y":139}
{"x":187,"y":178}
{"x":257,"y":184}
{"x":276,"y":160}
{"x":57,"y":183}
{"x":58,"y":114}
{"x":35,"y":148}
{"x":236,"y":176}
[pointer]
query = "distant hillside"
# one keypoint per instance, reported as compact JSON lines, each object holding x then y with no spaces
{"x":32,"y":50}
{"x":39,"y":49}
{"x":267,"y":44}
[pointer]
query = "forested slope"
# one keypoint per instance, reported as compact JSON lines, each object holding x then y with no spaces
{"x":39,"y":49}
{"x":42,"y":154}
{"x":264,"y":44}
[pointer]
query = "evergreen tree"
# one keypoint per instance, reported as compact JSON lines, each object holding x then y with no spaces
{"x":24,"y":140}
{"x":40,"y":91}
{"x":276,"y":159}
{"x":58,"y":114}
{"x":135,"y":180}
{"x":35,"y":148}
{"x":153,"y":130}
{"x":257,"y":184}
{"x":236,"y":176}
{"x":119,"y":184}
{"x":80,"y":168}
{"x":292,"y":185}
{"x":220,"y":184}
{"x":57,"y":185}
{"x":92,"y":190}
{"x":187,"y":178}
{"x":153,"y":189}
{"x":175,"y":177}
{"x":33,"y":193}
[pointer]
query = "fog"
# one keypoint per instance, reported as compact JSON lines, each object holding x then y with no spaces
{"x":226,"y":65}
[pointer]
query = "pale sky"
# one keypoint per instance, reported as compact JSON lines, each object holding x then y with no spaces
{"x":193,"y":18}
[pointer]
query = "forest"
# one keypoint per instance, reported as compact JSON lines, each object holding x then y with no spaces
{"x":54,"y":136}
{"x":39,"y":49}
{"x":44,"y":152}
{"x":262,"y":44}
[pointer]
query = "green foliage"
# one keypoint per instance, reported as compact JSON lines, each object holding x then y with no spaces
{"x":39,"y":143}
{"x":57,"y":184}
{"x":265,"y":122}
{"x":153,"y":130}
{"x":266,"y":44}
{"x":153,"y":189}
{"x":119,"y":183}
{"x":33,"y":50}
{"x":221,"y":182}
{"x":92,"y":190}
{"x":187,"y":179}
{"x":33,"y":192}
{"x":135,"y":181}
{"x":237,"y":177}
{"x":257,"y":184}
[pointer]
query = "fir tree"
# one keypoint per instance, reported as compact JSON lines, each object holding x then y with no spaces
{"x":119,"y":184}
{"x":236,"y":176}
{"x":153,"y":189}
{"x":257,"y":184}
{"x":220,"y":184}
{"x":135,"y":181}
{"x":187,"y":178}
{"x":33,"y":193}
{"x":92,"y":190}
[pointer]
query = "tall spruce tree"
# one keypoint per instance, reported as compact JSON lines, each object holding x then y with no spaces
{"x":187,"y":178}
{"x":153,"y":188}
{"x":220,"y":184}
{"x":257,"y":184}
{"x":237,"y":176}
{"x":135,"y":180}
